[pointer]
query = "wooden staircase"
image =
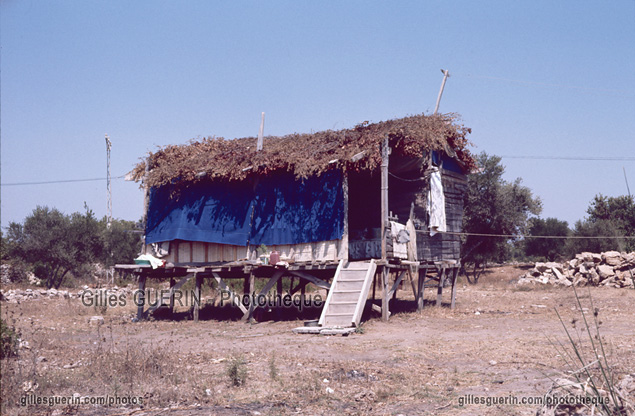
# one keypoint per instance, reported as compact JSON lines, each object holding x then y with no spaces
{"x":349,"y":292}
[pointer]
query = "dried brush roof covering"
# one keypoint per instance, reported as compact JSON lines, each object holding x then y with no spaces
{"x":306,"y":154}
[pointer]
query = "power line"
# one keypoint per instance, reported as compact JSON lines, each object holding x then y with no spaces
{"x":563,"y":237}
{"x":620,"y":92}
{"x":608,"y":158}
{"x":60,"y":181}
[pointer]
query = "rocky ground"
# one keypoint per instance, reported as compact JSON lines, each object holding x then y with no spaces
{"x":611,"y":268}
{"x":503,"y":344}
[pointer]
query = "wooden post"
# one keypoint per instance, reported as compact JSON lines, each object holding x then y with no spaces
{"x":455,"y":276}
{"x":446,"y":75}
{"x":146,"y":203}
{"x":261,"y":132}
{"x":141,"y":299}
{"x":374,"y":286}
{"x":279,"y":287}
{"x":197,"y":295}
{"x":302,"y":292}
{"x":385,"y":154}
{"x":385,"y":308}
{"x":343,"y":251}
{"x":172,"y":282}
{"x":440,"y":287}
{"x":249,"y":291}
{"x":421,"y":284}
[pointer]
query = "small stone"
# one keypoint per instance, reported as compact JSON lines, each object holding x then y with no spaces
{"x":96,"y":320}
{"x":612,"y":258}
{"x":605,"y":271}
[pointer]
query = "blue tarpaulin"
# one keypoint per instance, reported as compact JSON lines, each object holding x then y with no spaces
{"x":278,"y":210}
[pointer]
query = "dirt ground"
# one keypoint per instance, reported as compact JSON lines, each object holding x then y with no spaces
{"x":501,"y":340}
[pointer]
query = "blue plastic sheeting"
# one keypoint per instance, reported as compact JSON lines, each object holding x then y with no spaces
{"x":447,"y":162}
{"x":285,"y":211}
{"x":211,"y":212}
{"x":289,"y":211}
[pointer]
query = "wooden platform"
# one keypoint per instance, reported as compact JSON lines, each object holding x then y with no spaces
{"x":388,"y":275}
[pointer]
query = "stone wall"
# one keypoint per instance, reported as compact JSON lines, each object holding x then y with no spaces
{"x":611,"y":268}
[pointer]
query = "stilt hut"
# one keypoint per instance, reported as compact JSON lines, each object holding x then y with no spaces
{"x":336,"y":208}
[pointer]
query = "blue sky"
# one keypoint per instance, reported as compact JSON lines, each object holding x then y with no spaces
{"x":537,"y":78}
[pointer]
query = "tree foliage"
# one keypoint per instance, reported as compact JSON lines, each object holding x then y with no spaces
{"x":548,"y":248}
{"x":54,"y":244}
{"x":493,"y":207}
{"x":609,"y":217}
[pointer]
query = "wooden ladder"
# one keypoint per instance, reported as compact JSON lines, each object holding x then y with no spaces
{"x":349,"y":292}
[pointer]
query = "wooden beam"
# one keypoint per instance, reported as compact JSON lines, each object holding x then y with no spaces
{"x":235,"y":299}
{"x":393,"y":290}
{"x":316,"y":281}
{"x":301,"y":287}
{"x":171,"y":294}
{"x":197,"y":296}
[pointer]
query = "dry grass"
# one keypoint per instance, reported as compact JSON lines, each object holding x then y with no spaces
{"x":415,"y":363}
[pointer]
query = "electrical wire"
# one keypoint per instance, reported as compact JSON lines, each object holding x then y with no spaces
{"x":60,"y":181}
{"x":581,"y":158}
{"x":563,"y":237}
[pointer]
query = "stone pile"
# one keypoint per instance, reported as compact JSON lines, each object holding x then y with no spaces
{"x":611,"y":268}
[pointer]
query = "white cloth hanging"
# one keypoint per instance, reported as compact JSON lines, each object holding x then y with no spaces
{"x":400,"y":239}
{"x":436,"y":203}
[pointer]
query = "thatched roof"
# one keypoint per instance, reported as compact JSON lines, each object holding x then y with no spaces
{"x":306,"y":154}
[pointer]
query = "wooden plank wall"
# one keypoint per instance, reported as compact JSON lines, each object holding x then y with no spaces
{"x":446,"y":246}
{"x":197,"y":252}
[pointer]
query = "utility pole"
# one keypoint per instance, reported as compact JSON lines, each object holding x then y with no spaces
{"x":108,"y":189}
{"x":261,"y":132}
{"x":446,"y":75}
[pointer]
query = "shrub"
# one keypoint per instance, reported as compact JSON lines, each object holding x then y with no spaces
{"x":9,"y":340}
{"x":237,"y":371}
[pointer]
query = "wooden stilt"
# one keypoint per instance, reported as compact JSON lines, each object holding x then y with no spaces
{"x":197,"y":295}
{"x":279,"y":287}
{"x":455,"y":276}
{"x":395,"y":286}
{"x":249,"y":291}
{"x":141,"y":298}
{"x":302,"y":293}
{"x":172,"y":282}
{"x":421,"y":284}
{"x":411,"y":275}
{"x":385,"y":308}
{"x":442,"y":271}
{"x":374,"y":286}
{"x":235,"y":299}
